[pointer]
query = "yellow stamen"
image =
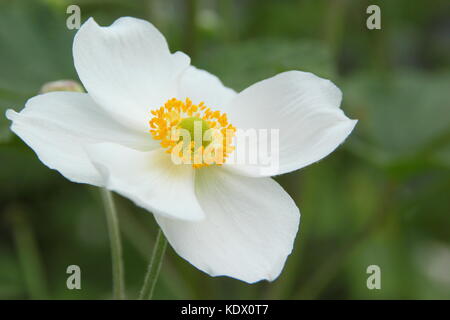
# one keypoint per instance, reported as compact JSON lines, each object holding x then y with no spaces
{"x":177,"y":125}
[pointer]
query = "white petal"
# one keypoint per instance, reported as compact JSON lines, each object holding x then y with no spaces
{"x":200,"y":85}
{"x":248,"y":232}
{"x":127,"y":67}
{"x":150,"y":179}
{"x":305,"y":110}
{"x":58,"y":125}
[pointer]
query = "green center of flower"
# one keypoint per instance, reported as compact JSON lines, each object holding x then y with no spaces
{"x":192,"y":125}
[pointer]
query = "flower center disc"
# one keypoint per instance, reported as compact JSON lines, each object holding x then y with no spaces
{"x":192,"y":125}
{"x":193,"y":134}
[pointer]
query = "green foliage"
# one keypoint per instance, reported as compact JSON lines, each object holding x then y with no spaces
{"x":404,"y":118}
{"x":242,"y":64}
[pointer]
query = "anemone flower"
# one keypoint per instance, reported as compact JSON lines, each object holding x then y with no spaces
{"x":225,"y":217}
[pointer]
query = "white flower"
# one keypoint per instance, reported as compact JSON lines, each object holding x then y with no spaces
{"x":226,"y":220}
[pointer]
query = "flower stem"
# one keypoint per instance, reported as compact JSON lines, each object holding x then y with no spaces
{"x":154,"y":267}
{"x":116,"y":245}
{"x":28,"y":251}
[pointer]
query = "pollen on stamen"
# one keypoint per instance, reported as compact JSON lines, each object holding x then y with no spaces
{"x":174,"y":125}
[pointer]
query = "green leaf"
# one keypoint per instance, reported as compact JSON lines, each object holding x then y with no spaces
{"x":241,"y":65}
{"x":404,"y":119}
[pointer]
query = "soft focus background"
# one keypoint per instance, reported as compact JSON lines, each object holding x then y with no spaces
{"x":382,"y":198}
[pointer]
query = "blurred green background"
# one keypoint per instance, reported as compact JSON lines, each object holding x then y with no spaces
{"x":382,"y":198}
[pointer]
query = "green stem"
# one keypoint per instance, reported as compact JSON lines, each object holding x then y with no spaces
{"x":154,"y":267}
{"x":29,"y":255}
{"x":116,"y":245}
{"x":190,"y":34}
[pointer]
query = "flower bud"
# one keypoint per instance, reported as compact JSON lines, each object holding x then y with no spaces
{"x":62,"y":85}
